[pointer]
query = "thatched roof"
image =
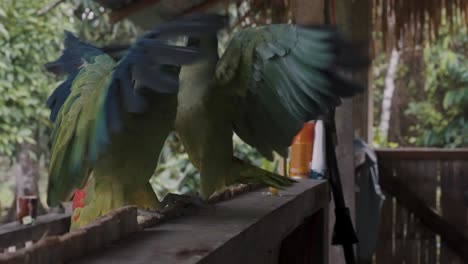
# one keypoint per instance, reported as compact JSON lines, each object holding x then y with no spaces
{"x":416,"y":21}
{"x":247,"y":12}
{"x":146,"y":13}
{"x":410,"y":21}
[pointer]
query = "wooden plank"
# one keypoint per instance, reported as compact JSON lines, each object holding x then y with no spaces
{"x":15,"y":234}
{"x":425,"y":181}
{"x":402,"y":250}
{"x":117,"y":15}
{"x":58,"y":249}
{"x":414,"y":244}
{"x":446,"y":254}
{"x":384,"y":251}
{"x":422,"y":154}
{"x":307,"y":12}
{"x":453,"y":237}
{"x":345,"y":129}
{"x":240,"y":230}
{"x":453,"y":210}
{"x":303,"y":247}
{"x":361,"y":22}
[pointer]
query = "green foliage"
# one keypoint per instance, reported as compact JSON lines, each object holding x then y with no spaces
{"x":441,"y":116}
{"x":437,"y":90}
{"x":176,"y":174}
{"x":92,"y":23}
{"x":380,"y":141}
{"x":27,"y":41}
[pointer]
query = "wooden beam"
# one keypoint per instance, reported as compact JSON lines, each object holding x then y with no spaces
{"x":117,"y":15}
{"x":448,"y":233}
{"x":14,"y":234}
{"x":296,"y":248}
{"x":422,"y":154}
{"x":308,"y":12}
{"x":344,"y":127}
{"x":202,"y":7}
{"x":361,"y":28}
{"x":66,"y":247}
{"x":247,"y":229}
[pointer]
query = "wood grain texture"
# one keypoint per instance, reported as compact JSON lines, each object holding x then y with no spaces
{"x":450,"y":234}
{"x":58,"y":249}
{"x":15,"y":234}
{"x":345,"y":130}
{"x":243,"y":230}
{"x":384,"y":251}
{"x":422,"y":154}
{"x":429,"y":188}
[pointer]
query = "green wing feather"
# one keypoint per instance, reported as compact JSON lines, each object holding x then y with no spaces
{"x":104,"y":94}
{"x":80,"y":121}
{"x":286,"y":75}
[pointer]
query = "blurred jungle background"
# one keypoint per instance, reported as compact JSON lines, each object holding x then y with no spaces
{"x":420,"y":88}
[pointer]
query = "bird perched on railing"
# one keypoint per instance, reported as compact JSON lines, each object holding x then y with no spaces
{"x":267,"y":84}
{"x":111,"y":118}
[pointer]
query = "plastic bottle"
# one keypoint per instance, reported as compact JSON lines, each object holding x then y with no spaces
{"x":301,"y":152}
{"x":318,"y":165}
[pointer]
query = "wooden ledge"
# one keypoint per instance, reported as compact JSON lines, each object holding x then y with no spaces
{"x":12,"y":234}
{"x":242,"y":230}
{"x":422,"y":154}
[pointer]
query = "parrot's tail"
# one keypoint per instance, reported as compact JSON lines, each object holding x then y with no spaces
{"x":96,"y":200}
{"x":246,"y":173}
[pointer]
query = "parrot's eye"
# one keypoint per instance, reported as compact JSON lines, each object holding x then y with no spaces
{"x":193,"y":42}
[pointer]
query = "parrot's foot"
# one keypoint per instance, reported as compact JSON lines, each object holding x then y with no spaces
{"x":174,"y":205}
{"x":231,"y":191}
{"x":150,"y":213}
{"x":172,"y":199}
{"x":147,"y":218}
{"x":177,"y":204}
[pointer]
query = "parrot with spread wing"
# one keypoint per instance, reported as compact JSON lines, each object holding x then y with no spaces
{"x":111,"y":119}
{"x":267,"y":84}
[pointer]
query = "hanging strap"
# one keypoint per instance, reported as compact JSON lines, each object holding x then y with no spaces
{"x":343,"y":231}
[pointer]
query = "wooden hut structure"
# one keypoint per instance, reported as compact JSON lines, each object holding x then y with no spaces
{"x":424,"y":216}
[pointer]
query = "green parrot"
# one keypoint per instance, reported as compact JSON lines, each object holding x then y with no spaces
{"x":111,"y":119}
{"x":267,"y":84}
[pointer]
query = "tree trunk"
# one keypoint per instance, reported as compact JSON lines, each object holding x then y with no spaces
{"x":389,"y":90}
{"x":399,"y":128}
{"x":26,"y":172}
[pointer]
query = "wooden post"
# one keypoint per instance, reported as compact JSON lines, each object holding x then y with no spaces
{"x":313,"y":11}
{"x":360,"y":32}
{"x":353,"y":20}
{"x":308,"y":12}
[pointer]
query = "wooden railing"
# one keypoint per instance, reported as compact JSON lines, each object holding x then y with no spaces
{"x":251,"y":228}
{"x":425,"y":215}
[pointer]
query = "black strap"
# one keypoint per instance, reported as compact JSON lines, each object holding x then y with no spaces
{"x":343,"y":231}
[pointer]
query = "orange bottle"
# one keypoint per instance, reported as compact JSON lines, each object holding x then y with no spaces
{"x":301,"y":152}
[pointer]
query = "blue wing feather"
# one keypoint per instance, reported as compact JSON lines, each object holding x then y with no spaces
{"x":74,"y":56}
{"x":143,"y":68}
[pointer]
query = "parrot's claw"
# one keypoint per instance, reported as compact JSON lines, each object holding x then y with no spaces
{"x":185,"y":200}
{"x":149,"y":213}
{"x":147,"y":218}
{"x":230,"y":192}
{"x":175,"y":205}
